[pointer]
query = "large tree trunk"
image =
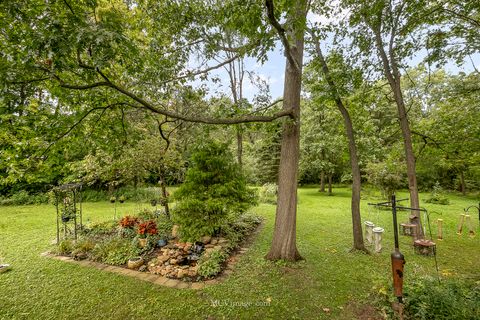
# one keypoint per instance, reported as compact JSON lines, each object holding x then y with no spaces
{"x":393,"y":76}
{"x":322,"y":181}
{"x":352,"y":147}
{"x":330,"y":192}
{"x":284,"y":235}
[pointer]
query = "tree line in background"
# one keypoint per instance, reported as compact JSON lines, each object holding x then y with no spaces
{"x":101,"y":92}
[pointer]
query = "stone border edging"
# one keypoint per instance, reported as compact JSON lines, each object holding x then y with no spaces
{"x":149,"y":277}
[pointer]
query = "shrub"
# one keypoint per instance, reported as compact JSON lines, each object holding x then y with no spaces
{"x":83,"y":247}
{"x":101,"y":229}
{"x":268,"y":193}
{"x":388,"y":176}
{"x":210,"y":264}
{"x":65,"y":247}
{"x":24,"y":198}
{"x":236,"y":230}
{"x":115,"y":251}
{"x":214,"y":188}
{"x":164,"y":226}
{"x":450,"y":299}
{"x":437,"y":196}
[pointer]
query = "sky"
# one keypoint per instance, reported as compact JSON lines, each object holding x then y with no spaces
{"x":272,"y":71}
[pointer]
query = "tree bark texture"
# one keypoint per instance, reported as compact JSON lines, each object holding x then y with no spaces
{"x":330,"y":191}
{"x":322,"y":181}
{"x":284,"y":235}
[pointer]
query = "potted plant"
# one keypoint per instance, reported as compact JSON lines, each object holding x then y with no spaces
{"x":121,"y":199}
{"x":145,"y":229}
{"x":113,"y":199}
{"x":135,"y":263}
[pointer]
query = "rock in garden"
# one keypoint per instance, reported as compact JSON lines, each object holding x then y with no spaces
{"x":209,"y":246}
{"x":175,"y":231}
{"x":222,"y":240}
{"x":173,"y":261}
{"x":142,"y":268}
{"x":206,"y":239}
{"x":163,"y":259}
{"x":182,"y":273}
{"x":214,"y":241}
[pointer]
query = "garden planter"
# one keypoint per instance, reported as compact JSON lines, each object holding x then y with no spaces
{"x":142,"y":242}
{"x":162,"y":243}
{"x":135,"y":263}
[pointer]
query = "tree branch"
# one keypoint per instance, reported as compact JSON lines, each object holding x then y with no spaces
{"x":76,"y":124}
{"x":242,"y":119}
{"x":203,"y":71}
{"x":281,"y":32}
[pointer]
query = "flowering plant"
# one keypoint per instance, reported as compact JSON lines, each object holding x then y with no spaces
{"x":147,"y":228}
{"x":128,"y":222}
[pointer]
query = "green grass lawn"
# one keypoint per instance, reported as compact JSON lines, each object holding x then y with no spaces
{"x":330,"y":277}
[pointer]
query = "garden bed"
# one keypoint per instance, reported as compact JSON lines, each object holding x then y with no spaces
{"x":152,"y":244}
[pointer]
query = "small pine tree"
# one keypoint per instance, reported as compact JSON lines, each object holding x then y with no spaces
{"x":214,"y":189}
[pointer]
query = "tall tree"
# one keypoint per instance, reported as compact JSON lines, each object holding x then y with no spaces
{"x":391,"y":24}
{"x":358,"y":243}
{"x":292,"y":36}
{"x":117,"y":54}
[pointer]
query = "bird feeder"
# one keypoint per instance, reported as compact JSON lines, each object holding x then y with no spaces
{"x":407,"y":229}
{"x":369,"y":232}
{"x":425,"y":247}
{"x":468,"y":222}
{"x":460,"y":223}
{"x":440,"y":229}
{"x":377,"y":237}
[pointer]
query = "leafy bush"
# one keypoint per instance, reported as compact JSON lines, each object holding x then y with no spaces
{"x":115,"y":251}
{"x":450,"y":299}
{"x":101,"y":229}
{"x":210,"y":264}
{"x":83,"y":247}
{"x":388,"y":176}
{"x":437,"y":196}
{"x":268,"y":193}
{"x":65,"y":247}
{"x":128,"y":222}
{"x":147,"y":228}
{"x":214,"y":188}
{"x":164,"y":226}
{"x":24,"y":198}
{"x":236,"y":230}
